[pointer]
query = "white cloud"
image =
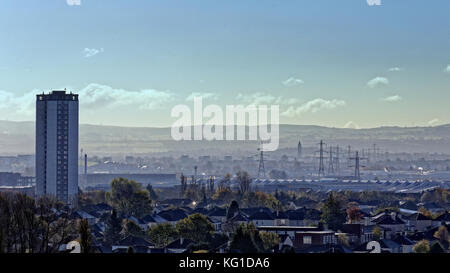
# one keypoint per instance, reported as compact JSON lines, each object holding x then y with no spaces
{"x":351,"y":125}
{"x":90,"y":52}
{"x":204,"y":96}
{"x":434,"y":122}
{"x":373,"y":2}
{"x":395,"y":69}
{"x":312,"y":106}
{"x":96,"y":95}
{"x":265,"y":99}
{"x":377,"y":81}
{"x":447,"y":69}
{"x":292,"y":82}
{"x":17,"y":107}
{"x":393,"y":98}
{"x":73,"y":2}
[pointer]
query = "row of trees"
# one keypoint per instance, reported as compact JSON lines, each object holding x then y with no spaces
{"x":38,"y":226}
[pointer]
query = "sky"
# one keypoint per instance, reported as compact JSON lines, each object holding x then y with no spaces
{"x":352,"y":63}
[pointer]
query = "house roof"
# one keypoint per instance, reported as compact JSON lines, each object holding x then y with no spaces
{"x":386,"y":243}
{"x":261,"y":215}
{"x":444,"y":217}
{"x":417,"y":217}
{"x":295,"y":214}
{"x":239,"y":218}
{"x":199,"y":210}
{"x":280,"y":215}
{"x":134,"y":241}
{"x":173,"y":214}
{"x":402,"y":240}
{"x":177,"y":244}
{"x":218,"y":212}
{"x":148,"y":219}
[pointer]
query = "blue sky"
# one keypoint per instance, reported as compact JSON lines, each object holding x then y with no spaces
{"x":331,"y":63}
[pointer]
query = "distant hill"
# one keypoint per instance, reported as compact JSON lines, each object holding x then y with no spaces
{"x":18,"y":138}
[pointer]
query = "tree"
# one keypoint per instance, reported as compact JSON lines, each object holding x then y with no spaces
{"x":422,"y":246}
{"x":128,"y":197}
{"x":85,"y":236}
{"x":162,"y":234}
{"x":232,"y":209}
{"x":29,"y":225}
{"x":133,"y":229}
{"x":425,"y":212}
{"x":442,"y":234}
{"x":152,"y":193}
{"x":195,"y":227}
{"x":436,"y":248}
{"x":224,"y":194}
{"x":246,"y":239}
{"x":377,"y":233}
{"x":113,"y":228}
{"x":130,"y":249}
{"x":183,"y":188}
{"x":353,"y":214}
{"x":244,"y":181}
{"x":332,"y":213}
{"x":269,"y":239}
{"x":343,"y":239}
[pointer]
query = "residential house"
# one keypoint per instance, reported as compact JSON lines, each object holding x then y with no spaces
{"x":262,"y":218}
{"x":306,"y":239}
{"x":139,"y":244}
{"x":417,"y":222}
{"x":280,"y":218}
{"x":173,"y":215}
{"x":180,"y":245}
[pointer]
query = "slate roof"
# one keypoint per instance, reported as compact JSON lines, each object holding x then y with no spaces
{"x":444,"y":217}
{"x":133,"y":241}
{"x":417,"y":217}
{"x":402,"y":240}
{"x":178,"y":245}
{"x":280,"y":215}
{"x":218,"y":212}
{"x":173,"y":214}
{"x":295,"y":214}
{"x":261,"y":215}
{"x":239,"y":218}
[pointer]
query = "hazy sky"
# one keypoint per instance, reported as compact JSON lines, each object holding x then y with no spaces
{"x":333,"y":63}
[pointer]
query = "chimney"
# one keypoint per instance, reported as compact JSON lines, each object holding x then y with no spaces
{"x":181,"y":240}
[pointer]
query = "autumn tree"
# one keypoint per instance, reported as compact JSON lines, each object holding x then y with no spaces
{"x":442,"y":234}
{"x":195,"y":227}
{"x":422,"y":246}
{"x":377,"y":233}
{"x":162,"y":234}
{"x":128,"y":197}
{"x":353,"y":214}
{"x":133,"y":229}
{"x":269,"y":239}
